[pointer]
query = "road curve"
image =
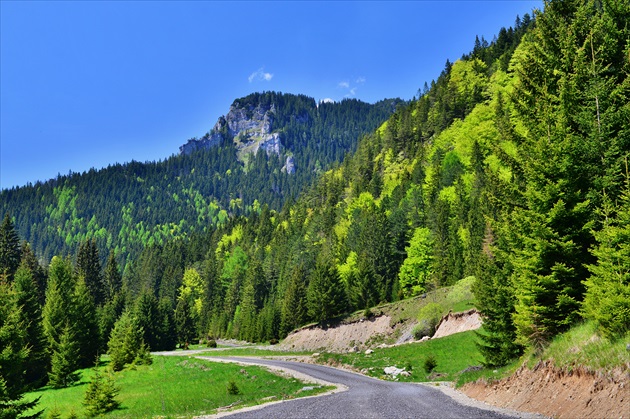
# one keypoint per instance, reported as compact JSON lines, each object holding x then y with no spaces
{"x":365,"y":397}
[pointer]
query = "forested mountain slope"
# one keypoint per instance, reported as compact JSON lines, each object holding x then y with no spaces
{"x":512,"y":167}
{"x":129,"y":206}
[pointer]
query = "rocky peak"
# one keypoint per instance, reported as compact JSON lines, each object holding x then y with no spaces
{"x":249,"y":125}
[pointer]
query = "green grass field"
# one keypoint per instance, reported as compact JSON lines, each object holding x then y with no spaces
{"x":453,"y":354}
{"x":175,"y":386}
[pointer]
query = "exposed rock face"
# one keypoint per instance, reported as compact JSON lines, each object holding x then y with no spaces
{"x":249,"y":126}
{"x":289,"y":166}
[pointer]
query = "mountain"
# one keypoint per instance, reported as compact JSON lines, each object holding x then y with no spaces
{"x":126,"y":207}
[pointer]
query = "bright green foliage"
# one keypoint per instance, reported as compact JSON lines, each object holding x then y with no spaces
{"x":572,"y":144}
{"x":125,"y":342}
{"x":10,"y":253}
{"x":31,"y":316}
{"x":607,"y":299}
{"x":58,"y":308}
{"x":100,"y":395}
{"x":64,"y":360}
{"x":416,"y":269}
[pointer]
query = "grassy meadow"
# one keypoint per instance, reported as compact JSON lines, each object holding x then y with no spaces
{"x":175,"y":386}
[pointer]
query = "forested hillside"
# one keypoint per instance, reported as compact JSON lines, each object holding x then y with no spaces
{"x":126,"y":207}
{"x":511,"y":167}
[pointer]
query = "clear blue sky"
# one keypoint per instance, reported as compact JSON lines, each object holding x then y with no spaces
{"x":89,"y":83}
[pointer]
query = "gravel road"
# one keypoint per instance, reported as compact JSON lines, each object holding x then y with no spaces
{"x":365,"y":397}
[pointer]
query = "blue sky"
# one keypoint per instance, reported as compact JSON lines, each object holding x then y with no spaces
{"x":90,"y":83}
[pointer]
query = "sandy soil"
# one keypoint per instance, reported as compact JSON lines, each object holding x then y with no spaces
{"x":558,"y":393}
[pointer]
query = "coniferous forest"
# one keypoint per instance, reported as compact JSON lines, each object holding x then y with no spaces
{"x":511,"y":167}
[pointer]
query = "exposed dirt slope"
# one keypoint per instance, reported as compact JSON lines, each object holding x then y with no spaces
{"x":558,"y":393}
{"x":363,"y":333}
{"x":458,"y":322}
{"x":339,"y":338}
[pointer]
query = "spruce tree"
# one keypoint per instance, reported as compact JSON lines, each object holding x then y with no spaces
{"x":89,"y":268}
{"x":64,"y":360}
{"x":147,"y":317}
{"x":607,"y":299}
{"x":184,"y":323}
{"x":31,"y":318}
{"x":14,"y":350}
{"x":100,"y":395}
{"x":85,"y":324}
{"x":59,"y":307}
{"x":326,"y":295}
{"x":10,"y":253}
{"x":37,"y":271}
{"x":125,"y":342}
{"x":112,"y":278}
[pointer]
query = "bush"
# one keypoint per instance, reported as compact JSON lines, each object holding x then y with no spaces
{"x":232,"y":388}
{"x":368,"y":313}
{"x":430,"y":363}
{"x":428,"y":318}
{"x":273,"y":341}
{"x":212,"y":343}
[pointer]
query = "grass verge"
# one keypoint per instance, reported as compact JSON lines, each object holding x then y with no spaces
{"x":453,"y":354}
{"x":178,"y":387}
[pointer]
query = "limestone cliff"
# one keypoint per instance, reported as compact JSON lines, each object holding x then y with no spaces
{"x":249,"y":126}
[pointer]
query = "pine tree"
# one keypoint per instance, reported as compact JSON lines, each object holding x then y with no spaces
{"x":111,"y":278}
{"x":326,"y":296}
{"x":85,"y":324}
{"x":10,"y":253}
{"x":184,"y":323}
{"x":607,"y":299}
{"x":89,"y":268}
{"x":14,"y":407}
{"x":294,"y":311}
{"x":15,"y":352}
{"x":37,"y":271}
{"x":64,"y":360}
{"x":125,"y":342}
{"x":31,"y":317}
{"x":147,"y":317}
{"x":100,"y":395}
{"x":57,"y":312}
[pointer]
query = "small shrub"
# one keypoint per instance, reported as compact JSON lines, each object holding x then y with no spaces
{"x":429,"y":363}
{"x":368,"y":313}
{"x":408,"y":366}
{"x":273,"y":341}
{"x":232,"y":388}
{"x":100,"y":396}
{"x":212,"y":343}
{"x":428,"y":318}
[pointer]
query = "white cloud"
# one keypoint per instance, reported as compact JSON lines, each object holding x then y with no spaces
{"x":351,"y":86}
{"x":327,"y":100}
{"x":260,"y":75}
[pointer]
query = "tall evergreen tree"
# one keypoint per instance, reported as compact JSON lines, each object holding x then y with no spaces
{"x":112,"y":279}
{"x":326,"y":295}
{"x":64,"y":362}
{"x":184,"y":323}
{"x":10,"y":253}
{"x":85,"y":325}
{"x":89,"y":268}
{"x":31,"y":317}
{"x":13,"y":343}
{"x":37,"y":271}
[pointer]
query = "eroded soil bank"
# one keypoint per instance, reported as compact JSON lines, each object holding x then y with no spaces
{"x":558,"y":393}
